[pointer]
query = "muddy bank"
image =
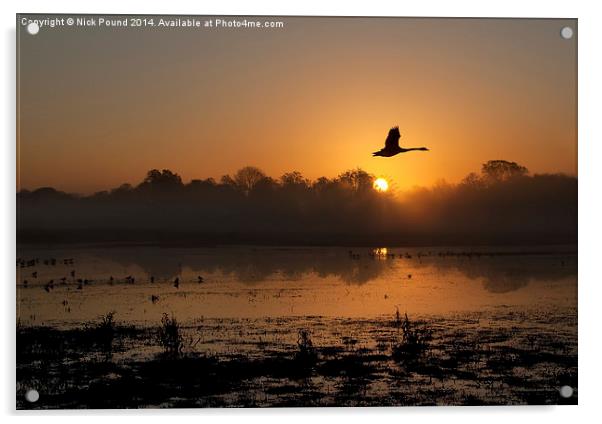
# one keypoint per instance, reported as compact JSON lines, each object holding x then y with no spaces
{"x":494,"y":358}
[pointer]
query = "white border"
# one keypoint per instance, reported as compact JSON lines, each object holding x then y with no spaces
{"x":590,"y":210}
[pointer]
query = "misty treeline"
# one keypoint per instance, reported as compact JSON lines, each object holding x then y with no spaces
{"x":502,"y":203}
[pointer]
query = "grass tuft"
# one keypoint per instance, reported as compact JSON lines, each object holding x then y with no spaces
{"x":170,"y":336}
{"x":414,"y":341}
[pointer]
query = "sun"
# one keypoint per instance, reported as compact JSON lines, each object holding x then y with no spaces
{"x":380,"y":184}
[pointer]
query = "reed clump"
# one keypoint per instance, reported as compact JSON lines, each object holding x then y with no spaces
{"x":170,"y":336}
{"x":414,"y":340}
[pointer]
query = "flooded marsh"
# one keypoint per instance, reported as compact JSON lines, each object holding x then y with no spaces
{"x":255,"y":326}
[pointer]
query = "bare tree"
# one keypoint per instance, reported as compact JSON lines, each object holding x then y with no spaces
{"x":502,"y":170}
{"x":357,"y":179}
{"x":294,"y":178}
{"x":247,"y":178}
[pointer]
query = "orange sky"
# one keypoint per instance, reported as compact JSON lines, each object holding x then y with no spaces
{"x":100,"y":107}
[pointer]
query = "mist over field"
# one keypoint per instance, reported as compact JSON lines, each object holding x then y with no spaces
{"x":502,"y":203}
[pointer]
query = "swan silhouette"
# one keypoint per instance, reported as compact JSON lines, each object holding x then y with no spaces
{"x":392,"y":145}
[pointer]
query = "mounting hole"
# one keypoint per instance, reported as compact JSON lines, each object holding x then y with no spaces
{"x":33,"y":28}
{"x":566,"y":33}
{"x":566,"y":391}
{"x":32,"y":396}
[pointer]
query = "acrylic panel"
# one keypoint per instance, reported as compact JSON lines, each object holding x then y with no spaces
{"x":231,"y":211}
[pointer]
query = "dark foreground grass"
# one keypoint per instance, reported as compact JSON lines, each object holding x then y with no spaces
{"x":428,"y":362}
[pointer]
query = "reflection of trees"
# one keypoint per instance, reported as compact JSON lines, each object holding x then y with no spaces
{"x":500,"y":274}
{"x":250,"y":265}
{"x":503,"y":274}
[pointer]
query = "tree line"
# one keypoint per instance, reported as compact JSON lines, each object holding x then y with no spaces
{"x":503,"y":203}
